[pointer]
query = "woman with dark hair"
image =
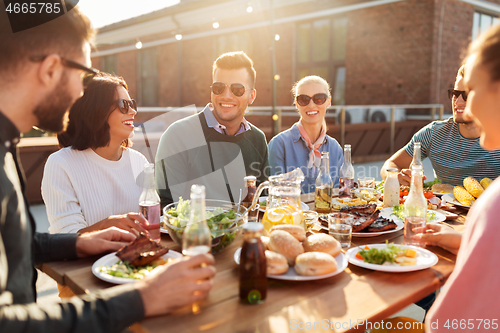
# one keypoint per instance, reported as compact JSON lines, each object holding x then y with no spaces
{"x":90,"y":184}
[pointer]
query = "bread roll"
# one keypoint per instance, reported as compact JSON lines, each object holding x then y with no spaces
{"x":265,"y":242}
{"x":315,"y":263}
{"x":296,"y":231}
{"x":282,"y":242}
{"x":276,"y":263}
{"x":442,"y":188}
{"x":322,"y":243}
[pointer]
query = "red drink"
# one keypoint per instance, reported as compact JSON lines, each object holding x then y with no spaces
{"x":345,"y":187}
{"x":151,"y":212}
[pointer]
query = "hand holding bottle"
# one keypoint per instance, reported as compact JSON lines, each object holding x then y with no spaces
{"x":404,"y":177}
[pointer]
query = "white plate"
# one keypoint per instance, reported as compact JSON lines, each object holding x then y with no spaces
{"x":451,"y":199}
{"x":400,"y":225}
{"x":303,"y":205}
{"x":425,"y":259}
{"x":291,"y":275}
{"x":387,"y":213}
{"x":111,"y":259}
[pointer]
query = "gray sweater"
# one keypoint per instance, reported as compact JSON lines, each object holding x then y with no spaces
{"x":190,"y":152}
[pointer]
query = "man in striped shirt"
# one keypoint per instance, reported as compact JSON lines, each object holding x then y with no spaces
{"x":452,"y":145}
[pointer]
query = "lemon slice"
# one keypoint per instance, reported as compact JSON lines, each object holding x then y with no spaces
{"x":267,"y":227}
{"x":296,"y":218}
{"x":276,"y":215}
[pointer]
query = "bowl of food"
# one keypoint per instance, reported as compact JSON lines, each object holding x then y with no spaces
{"x":224,"y":219}
{"x":367,"y":194}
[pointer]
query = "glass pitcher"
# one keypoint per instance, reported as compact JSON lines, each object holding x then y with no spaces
{"x":283,"y":202}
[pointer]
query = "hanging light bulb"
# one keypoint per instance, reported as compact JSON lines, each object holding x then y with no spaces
{"x":178,"y":36}
{"x":249,"y":9}
{"x":215,"y":25}
{"x":276,"y":37}
{"x":138,"y":45}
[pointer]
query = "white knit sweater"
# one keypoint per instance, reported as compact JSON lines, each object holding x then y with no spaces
{"x":80,"y":188}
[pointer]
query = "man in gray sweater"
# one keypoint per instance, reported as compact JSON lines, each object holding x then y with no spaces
{"x":42,"y":72}
{"x":217,"y":147}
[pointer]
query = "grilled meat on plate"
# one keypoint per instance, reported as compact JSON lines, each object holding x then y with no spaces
{"x":381,"y":224}
{"x":357,"y":221}
{"x":141,"y":251}
{"x":366,"y":209}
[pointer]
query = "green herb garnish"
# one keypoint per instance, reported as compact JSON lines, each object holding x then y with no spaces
{"x":380,"y":187}
{"x":429,"y":184}
{"x":124,"y":270}
{"x":380,"y":256}
{"x":399,"y":211}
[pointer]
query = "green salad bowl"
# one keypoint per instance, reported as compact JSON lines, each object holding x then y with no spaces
{"x":224,"y":219}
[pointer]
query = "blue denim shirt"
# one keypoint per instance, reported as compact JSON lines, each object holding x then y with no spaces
{"x":288,"y":150}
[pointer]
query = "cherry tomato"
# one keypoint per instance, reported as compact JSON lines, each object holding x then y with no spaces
{"x":403,"y":191}
{"x":428,"y":194}
{"x":359,"y":256}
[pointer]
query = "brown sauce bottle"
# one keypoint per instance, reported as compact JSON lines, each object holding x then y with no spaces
{"x":250,"y":189}
{"x":253,"y":266}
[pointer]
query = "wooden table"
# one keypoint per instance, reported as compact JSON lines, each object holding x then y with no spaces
{"x":354,"y":296}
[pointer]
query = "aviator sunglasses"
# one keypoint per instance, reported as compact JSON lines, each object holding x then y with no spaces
{"x":88,"y":72}
{"x":124,"y":105}
{"x":456,"y":93}
{"x":237,"y":89}
{"x":318,"y":99}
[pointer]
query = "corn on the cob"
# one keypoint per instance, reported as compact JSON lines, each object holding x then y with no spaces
{"x":485,"y":182}
{"x":464,"y":197}
{"x":473,"y":187}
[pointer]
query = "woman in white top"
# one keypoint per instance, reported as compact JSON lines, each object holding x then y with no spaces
{"x":91,"y":183}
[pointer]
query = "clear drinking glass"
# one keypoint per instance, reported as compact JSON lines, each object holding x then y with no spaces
{"x":341,"y":232}
{"x":366,"y":182}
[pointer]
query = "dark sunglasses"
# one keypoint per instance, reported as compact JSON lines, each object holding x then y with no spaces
{"x":318,"y":99}
{"x":456,"y":93}
{"x":88,"y":72}
{"x":124,"y":105}
{"x":236,"y":88}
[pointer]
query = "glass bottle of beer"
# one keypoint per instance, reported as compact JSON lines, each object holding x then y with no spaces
{"x":323,"y":186}
{"x":346,"y":174}
{"x":250,"y":188}
{"x":253,"y":266}
{"x":197,"y":238}
{"x":415,"y":208}
{"x":149,"y":204}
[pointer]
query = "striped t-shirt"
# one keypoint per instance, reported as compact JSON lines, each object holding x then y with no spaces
{"x":453,"y":156}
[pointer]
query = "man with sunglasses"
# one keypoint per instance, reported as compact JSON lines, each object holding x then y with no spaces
{"x":452,"y":146}
{"x":42,"y":72}
{"x":217,"y":147}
